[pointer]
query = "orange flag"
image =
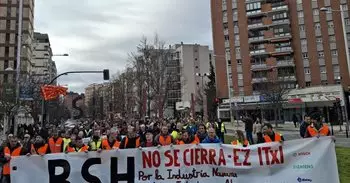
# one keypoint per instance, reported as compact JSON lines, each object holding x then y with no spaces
{"x":50,"y":92}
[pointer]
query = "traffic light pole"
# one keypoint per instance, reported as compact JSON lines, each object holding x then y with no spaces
{"x":43,"y":111}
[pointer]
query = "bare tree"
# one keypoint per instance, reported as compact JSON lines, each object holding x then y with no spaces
{"x":150,"y":70}
{"x":275,"y":91}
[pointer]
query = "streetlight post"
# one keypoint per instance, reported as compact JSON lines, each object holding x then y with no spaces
{"x":202,"y":76}
{"x":42,"y":100}
{"x":341,"y":10}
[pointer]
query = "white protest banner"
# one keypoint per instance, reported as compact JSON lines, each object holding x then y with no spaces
{"x":298,"y":161}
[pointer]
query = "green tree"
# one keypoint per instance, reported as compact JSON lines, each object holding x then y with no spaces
{"x":210,"y":92}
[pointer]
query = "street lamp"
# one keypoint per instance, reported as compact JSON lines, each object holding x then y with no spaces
{"x":202,"y":75}
{"x":341,"y":10}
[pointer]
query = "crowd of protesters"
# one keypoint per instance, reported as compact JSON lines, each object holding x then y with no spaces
{"x":91,"y":135}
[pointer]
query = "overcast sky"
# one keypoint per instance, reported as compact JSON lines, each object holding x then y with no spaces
{"x":99,"y":34}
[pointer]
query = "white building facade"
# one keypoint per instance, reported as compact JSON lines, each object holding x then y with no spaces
{"x":44,"y":68}
{"x":192,"y":63}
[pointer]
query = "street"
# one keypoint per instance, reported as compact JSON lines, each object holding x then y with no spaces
{"x":291,"y":133}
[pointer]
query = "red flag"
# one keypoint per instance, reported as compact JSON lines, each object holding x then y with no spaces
{"x":50,"y":92}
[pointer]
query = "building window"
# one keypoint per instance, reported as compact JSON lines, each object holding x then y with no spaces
{"x":330,"y":25}
{"x":239,"y":61}
{"x":299,"y":2}
{"x":227,"y":37}
{"x":253,"y":6}
{"x":225,"y":25}
{"x":347,"y":21}
{"x":307,"y":70}
{"x":237,"y":37}
{"x":316,"y":11}
{"x":345,"y":7}
{"x":336,"y":68}
{"x":308,"y":84}
{"x":332,"y":38}
{"x":197,"y":83}
{"x":238,"y":50}
{"x":224,"y":14}
{"x":334,"y":52}
{"x":317,"y":26}
{"x":323,"y":69}
{"x":305,"y":55}
{"x":301,"y":28}
{"x":318,"y":40}
{"x":320,"y":54}
{"x":300,"y":14}
{"x":229,"y":62}
{"x":324,"y":83}
{"x":279,"y":16}
{"x":195,"y":59}
{"x":196,"y":67}
{"x":303,"y":42}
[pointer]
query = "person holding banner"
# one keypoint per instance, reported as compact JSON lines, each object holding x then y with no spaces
{"x":66,"y":140}
{"x":212,"y":137}
{"x":132,"y":140}
{"x":78,"y":146}
{"x":96,"y":142}
{"x":201,"y":133}
{"x":39,"y":147}
{"x":270,"y":135}
{"x":55,"y":143}
{"x":317,"y":128}
{"x":149,"y":142}
{"x":13,"y":149}
{"x":241,"y":141}
{"x":164,"y":138}
{"x":112,"y":141}
{"x":187,"y":138}
{"x":176,"y":134}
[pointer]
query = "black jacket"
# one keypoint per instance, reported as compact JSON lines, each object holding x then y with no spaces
{"x":131,"y":143}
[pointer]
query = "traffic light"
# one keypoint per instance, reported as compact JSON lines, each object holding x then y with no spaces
{"x":106,"y":74}
{"x":218,"y":101}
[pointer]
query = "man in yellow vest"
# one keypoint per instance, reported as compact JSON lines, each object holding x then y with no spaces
{"x":96,"y":141}
{"x":66,"y":140}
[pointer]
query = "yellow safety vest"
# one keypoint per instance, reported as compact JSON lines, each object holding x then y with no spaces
{"x":222,"y":127}
{"x":95,"y":145}
{"x":65,"y":143}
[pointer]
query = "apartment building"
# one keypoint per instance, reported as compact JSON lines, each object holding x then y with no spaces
{"x":288,"y":41}
{"x":43,"y":67}
{"x":189,"y":64}
{"x":8,"y":39}
{"x":291,"y":43}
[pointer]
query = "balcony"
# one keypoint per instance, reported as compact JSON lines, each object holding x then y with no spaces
{"x":256,"y":26}
{"x":281,"y":6}
{"x":281,"y":37}
{"x":287,"y":78}
{"x":256,"y":39}
{"x":258,"y":52}
{"x":259,"y":80}
{"x":258,"y":67}
{"x":280,"y":22}
{"x":285,"y":63}
{"x":282,"y":50}
{"x":256,"y":13}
